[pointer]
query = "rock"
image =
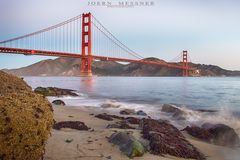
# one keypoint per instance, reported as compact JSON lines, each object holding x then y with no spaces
{"x":222,"y":134}
{"x":170,"y":108}
{"x":164,"y":139}
{"x":141,"y":113}
{"x":104,"y":117}
{"x":120,"y":125}
{"x":176,"y":112}
{"x":127,"y":144}
{"x":26,"y":119}
{"x":199,"y":133}
{"x":59,"y":102}
{"x":110,"y":105}
{"x":128,"y":112}
{"x":132,"y":120}
{"x":53,"y":91}
{"x":108,"y":117}
{"x":71,"y":124}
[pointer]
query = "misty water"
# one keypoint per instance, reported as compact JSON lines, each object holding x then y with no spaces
{"x":149,"y":93}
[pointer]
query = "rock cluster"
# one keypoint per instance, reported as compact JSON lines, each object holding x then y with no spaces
{"x":25,"y":120}
{"x":164,"y":139}
{"x":53,"y":91}
{"x":219,"y":134}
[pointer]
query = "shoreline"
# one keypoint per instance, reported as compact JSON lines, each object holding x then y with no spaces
{"x":91,"y":145}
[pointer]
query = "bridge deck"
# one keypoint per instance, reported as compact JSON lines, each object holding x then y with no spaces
{"x":74,"y":55}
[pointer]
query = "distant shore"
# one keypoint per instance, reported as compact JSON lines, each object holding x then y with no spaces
{"x":91,"y":145}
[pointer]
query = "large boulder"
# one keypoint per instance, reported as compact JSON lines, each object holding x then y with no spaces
{"x":141,"y":113}
{"x":53,"y":91}
{"x":165,"y":139}
{"x":176,"y":112}
{"x":200,"y":133}
{"x":127,"y":144}
{"x":222,"y":134}
{"x":26,"y":119}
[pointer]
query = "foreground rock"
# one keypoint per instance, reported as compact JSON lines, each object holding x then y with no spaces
{"x":70,"y":124}
{"x":59,"y":102}
{"x":222,"y":134}
{"x":127,"y":144}
{"x":164,"y":139}
{"x":53,"y":91}
{"x":199,"y":133}
{"x":25,"y":120}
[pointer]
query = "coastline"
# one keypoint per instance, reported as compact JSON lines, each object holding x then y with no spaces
{"x":93,"y":144}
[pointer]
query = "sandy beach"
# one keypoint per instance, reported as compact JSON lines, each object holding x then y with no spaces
{"x":93,"y":144}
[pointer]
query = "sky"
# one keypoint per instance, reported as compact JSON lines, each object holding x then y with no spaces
{"x":208,"y":29}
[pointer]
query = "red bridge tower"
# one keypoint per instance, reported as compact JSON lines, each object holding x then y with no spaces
{"x":185,"y":64}
{"x":86,"y":60}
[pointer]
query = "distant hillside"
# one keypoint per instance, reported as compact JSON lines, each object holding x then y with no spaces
{"x":71,"y":67}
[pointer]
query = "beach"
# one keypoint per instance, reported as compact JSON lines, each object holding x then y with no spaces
{"x":93,"y":144}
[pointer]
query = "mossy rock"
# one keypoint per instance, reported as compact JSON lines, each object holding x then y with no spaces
{"x":11,"y":84}
{"x":26,"y":119}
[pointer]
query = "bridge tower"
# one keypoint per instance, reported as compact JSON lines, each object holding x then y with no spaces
{"x":185,"y":64}
{"x":86,"y":60}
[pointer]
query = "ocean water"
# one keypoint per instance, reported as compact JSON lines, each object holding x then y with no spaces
{"x":149,"y":93}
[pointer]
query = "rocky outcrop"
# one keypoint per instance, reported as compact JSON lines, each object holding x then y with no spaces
{"x":164,"y":139}
{"x":133,"y":120}
{"x":127,"y":144}
{"x":199,"y":133}
{"x":71,"y":124}
{"x":25,"y":120}
{"x":58,"y":102}
{"x":53,"y":91}
{"x":141,"y":113}
{"x":176,"y":112}
{"x":222,"y":134}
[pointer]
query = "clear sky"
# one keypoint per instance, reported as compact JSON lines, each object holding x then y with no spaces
{"x":208,"y":29}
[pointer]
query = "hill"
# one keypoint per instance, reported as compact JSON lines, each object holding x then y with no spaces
{"x":71,"y":67}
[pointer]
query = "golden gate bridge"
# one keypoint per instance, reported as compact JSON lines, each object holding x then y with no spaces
{"x":83,"y":37}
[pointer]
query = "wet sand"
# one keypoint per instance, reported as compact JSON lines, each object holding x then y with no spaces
{"x":93,"y":144}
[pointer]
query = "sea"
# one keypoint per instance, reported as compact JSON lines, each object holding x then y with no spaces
{"x":219,"y":97}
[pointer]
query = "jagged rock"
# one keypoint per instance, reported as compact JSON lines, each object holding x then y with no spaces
{"x":110,"y":105}
{"x":132,"y":120}
{"x":53,"y":91}
{"x":127,"y":144}
{"x":120,"y":125}
{"x":70,"y":124}
{"x":222,"y":134}
{"x":128,"y":112}
{"x":176,"y":112}
{"x":199,"y":133}
{"x":25,"y":120}
{"x":59,"y":102}
{"x":141,"y":113}
{"x":166,"y":139}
